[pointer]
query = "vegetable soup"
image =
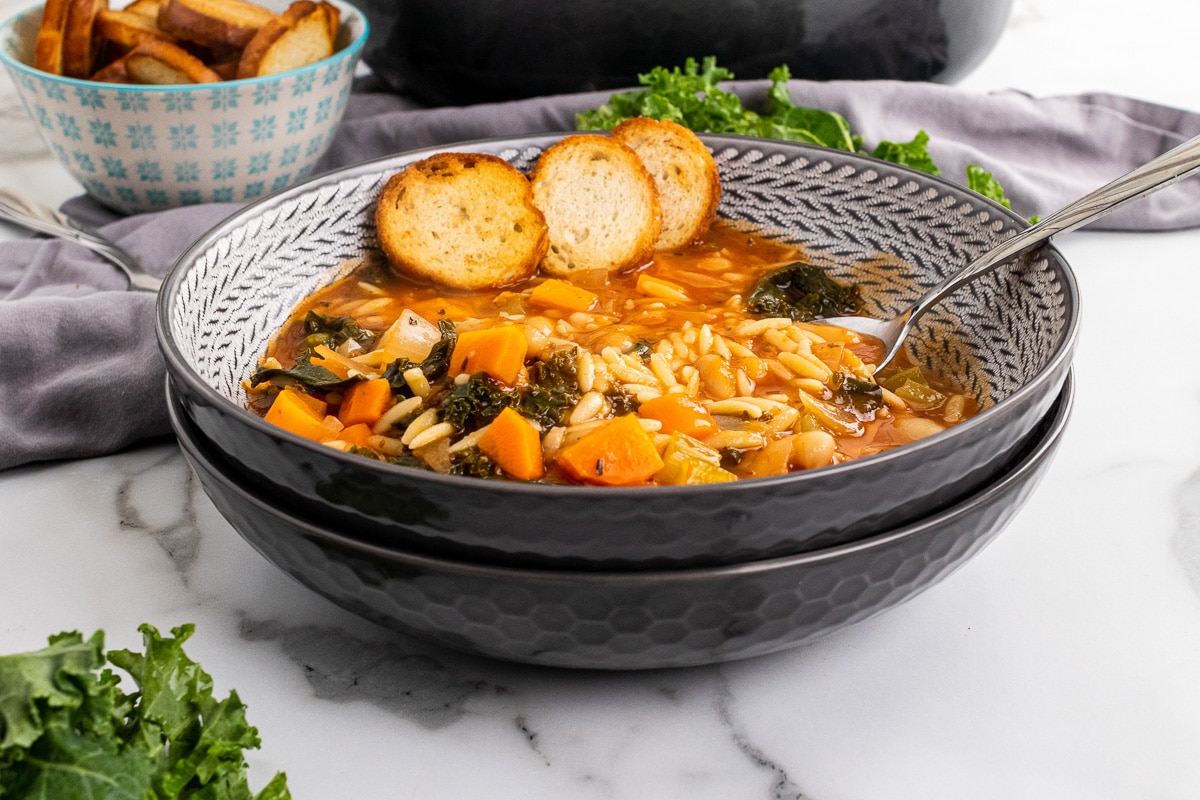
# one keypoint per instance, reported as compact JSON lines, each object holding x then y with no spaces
{"x":697,"y":368}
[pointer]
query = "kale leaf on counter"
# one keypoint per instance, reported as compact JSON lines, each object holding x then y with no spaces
{"x":67,"y":729}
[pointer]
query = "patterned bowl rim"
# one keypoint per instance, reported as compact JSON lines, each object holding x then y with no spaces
{"x":1019,"y":470}
{"x":177,"y":366}
{"x":351,"y":49}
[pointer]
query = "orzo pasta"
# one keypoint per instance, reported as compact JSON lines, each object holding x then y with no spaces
{"x":661,"y":376}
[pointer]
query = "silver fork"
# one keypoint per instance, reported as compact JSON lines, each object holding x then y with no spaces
{"x":28,"y":213}
{"x":1144,"y":180}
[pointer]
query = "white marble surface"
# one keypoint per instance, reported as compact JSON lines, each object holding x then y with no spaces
{"x":1063,"y":662}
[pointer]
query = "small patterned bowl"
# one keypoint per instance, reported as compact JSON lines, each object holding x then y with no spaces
{"x":1007,"y":338}
{"x":146,"y":148}
{"x":634,"y":619}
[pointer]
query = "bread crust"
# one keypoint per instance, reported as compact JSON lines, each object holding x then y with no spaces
{"x":159,"y":62}
{"x":601,"y":205}
{"x":213,"y":23}
{"x":302,"y":34}
{"x":81,"y":45}
{"x":48,"y":47}
{"x":113,"y":72}
{"x":685,"y":173}
{"x":461,"y":220}
{"x":127,"y":29}
{"x":146,"y":8}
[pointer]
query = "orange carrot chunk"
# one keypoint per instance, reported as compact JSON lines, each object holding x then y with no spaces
{"x":357,"y":433}
{"x":620,"y":453}
{"x":561,"y":294}
{"x":680,"y":414}
{"x":515,"y":445}
{"x":500,"y":352}
{"x":365,"y":402}
{"x":302,"y":414}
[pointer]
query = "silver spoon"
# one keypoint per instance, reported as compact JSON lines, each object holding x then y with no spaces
{"x":1157,"y":174}
{"x":28,"y":213}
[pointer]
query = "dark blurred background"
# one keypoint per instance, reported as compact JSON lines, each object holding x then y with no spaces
{"x":453,"y":52}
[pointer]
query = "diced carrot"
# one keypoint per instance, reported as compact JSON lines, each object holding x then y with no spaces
{"x":515,"y":445}
{"x":620,"y":453}
{"x":302,"y":414}
{"x":365,"y":402}
{"x":561,"y":294}
{"x":356,"y":434}
{"x":500,"y":352}
{"x":339,"y":365}
{"x":680,"y":413}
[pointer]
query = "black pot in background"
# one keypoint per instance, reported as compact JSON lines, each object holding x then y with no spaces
{"x":450,"y":52}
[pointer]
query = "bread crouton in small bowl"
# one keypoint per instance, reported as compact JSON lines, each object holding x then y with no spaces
{"x":166,"y":103}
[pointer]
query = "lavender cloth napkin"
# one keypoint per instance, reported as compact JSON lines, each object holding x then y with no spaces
{"x":80,"y":370}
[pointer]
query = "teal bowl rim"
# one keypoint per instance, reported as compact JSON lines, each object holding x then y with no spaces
{"x":353,"y":50}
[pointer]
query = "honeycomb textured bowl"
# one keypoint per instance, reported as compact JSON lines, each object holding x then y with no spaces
{"x":635,"y":619}
{"x":1007,"y":338}
{"x":146,"y":148}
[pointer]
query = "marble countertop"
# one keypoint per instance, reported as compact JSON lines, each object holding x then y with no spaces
{"x":1062,"y":662}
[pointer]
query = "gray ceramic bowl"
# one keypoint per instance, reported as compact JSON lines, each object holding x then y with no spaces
{"x":626,"y":620}
{"x":1007,"y":338}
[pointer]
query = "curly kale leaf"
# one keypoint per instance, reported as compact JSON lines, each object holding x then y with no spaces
{"x":802,"y":292}
{"x":554,"y":387}
{"x":67,"y":729}
{"x":914,"y":154}
{"x":980,"y":180}
{"x":692,"y":97}
{"x":333,"y":331}
{"x":305,"y":375}
{"x":474,"y":463}
{"x":863,"y":397}
{"x":476,"y":402}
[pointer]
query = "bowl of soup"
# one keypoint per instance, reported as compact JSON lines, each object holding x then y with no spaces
{"x":759,"y":434}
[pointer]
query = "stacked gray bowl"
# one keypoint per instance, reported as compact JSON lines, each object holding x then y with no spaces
{"x":652,"y":576}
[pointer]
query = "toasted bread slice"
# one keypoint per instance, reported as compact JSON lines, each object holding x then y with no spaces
{"x":689,"y":184}
{"x":600,"y":203}
{"x":162,"y":63}
{"x":127,"y":29}
{"x":462,"y":220}
{"x":301,"y":35}
{"x":81,"y":45}
{"x":115,"y":71}
{"x":48,"y":47}
{"x":213,"y":23}
{"x":226,"y":69}
{"x":147,"y":8}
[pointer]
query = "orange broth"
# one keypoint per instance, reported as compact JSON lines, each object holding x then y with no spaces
{"x":675,"y":306}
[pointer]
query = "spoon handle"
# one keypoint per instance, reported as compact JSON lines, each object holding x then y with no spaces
{"x":35,"y":216}
{"x":1168,"y":168}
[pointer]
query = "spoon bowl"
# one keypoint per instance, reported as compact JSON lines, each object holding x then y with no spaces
{"x":32,"y":215}
{"x":1159,"y":173}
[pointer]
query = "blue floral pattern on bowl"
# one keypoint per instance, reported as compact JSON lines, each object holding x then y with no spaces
{"x":147,"y":148}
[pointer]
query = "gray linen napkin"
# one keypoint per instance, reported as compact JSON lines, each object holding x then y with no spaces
{"x":80,"y":371}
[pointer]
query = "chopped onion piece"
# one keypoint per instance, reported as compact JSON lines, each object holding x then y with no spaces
{"x":411,"y":336}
